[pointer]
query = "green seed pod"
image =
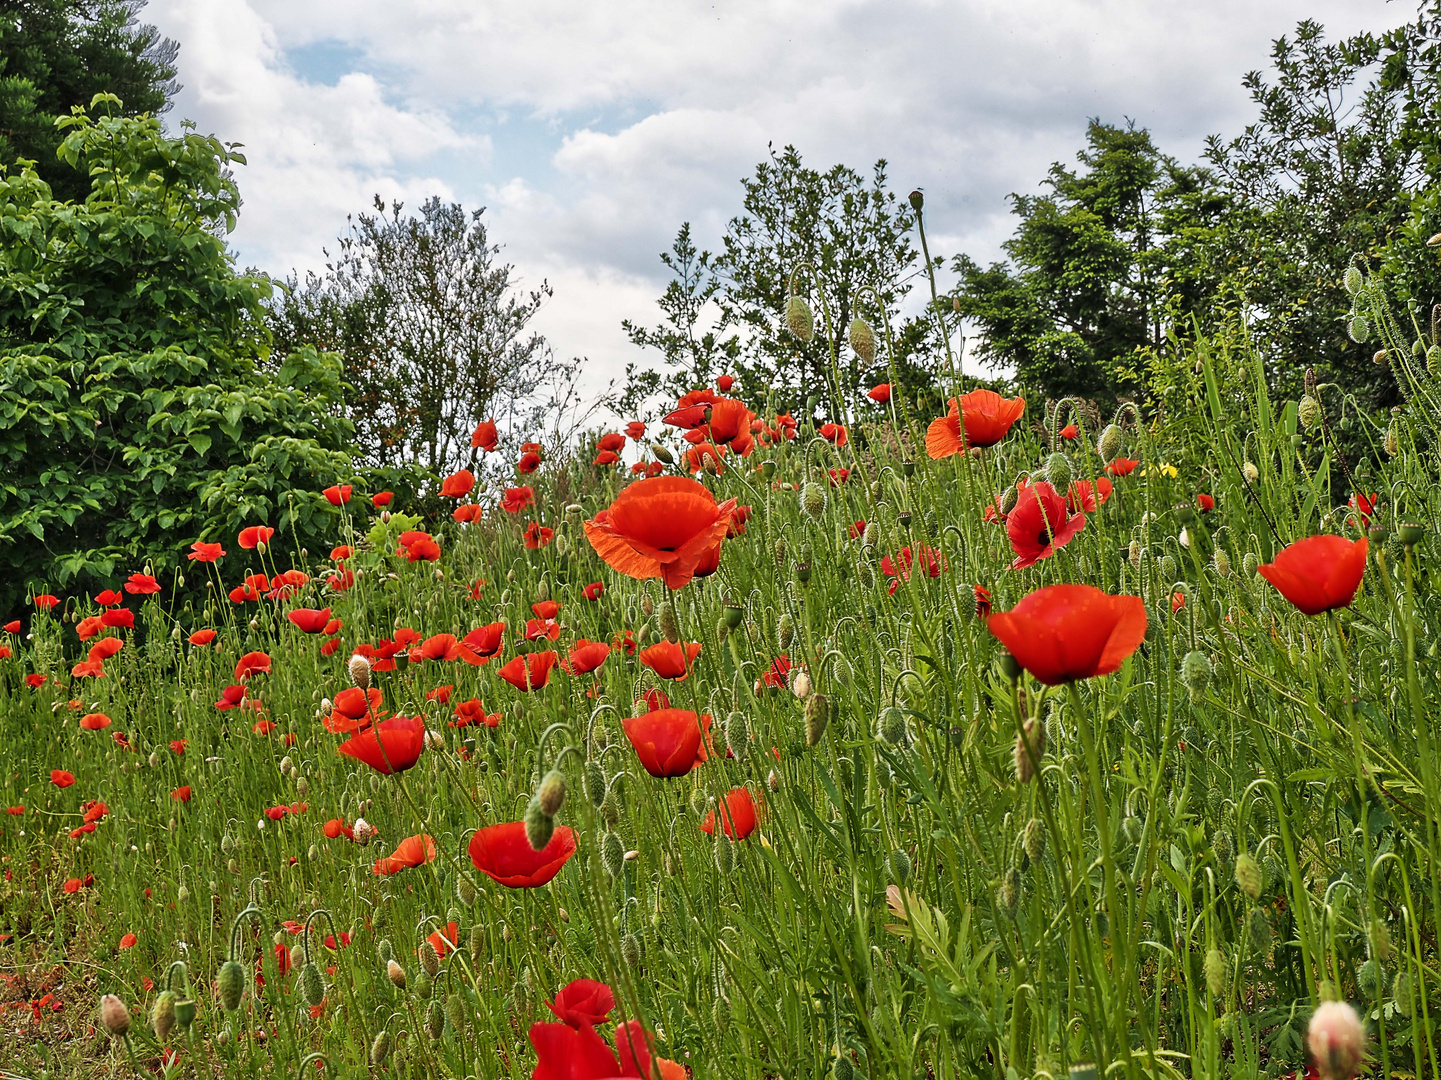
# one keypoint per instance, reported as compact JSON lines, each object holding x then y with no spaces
{"x":900,"y":866}
{"x":813,"y":499}
{"x":424,"y":987}
{"x":612,"y":854}
{"x":863,"y":339}
{"x":539,"y":826}
{"x":1033,"y":840}
{"x":662,"y":454}
{"x":435,"y":1020}
{"x":1308,"y":412}
{"x":594,"y":783}
{"x":162,"y":1015}
{"x":184,"y":1013}
{"x":1359,"y":329}
{"x":1109,"y":444}
{"x":738,"y":734}
{"x":731,"y":612}
{"x":817,"y":716}
{"x":1010,"y":666}
{"x":799,"y":320}
{"x":230,"y":984}
{"x":1248,"y":875}
{"x":785,"y":630}
{"x":1058,"y":472}
{"x":312,"y":986}
{"x":630,"y":951}
{"x":1009,"y":893}
{"x":1196,"y":673}
{"x":551,"y":795}
{"x":892,"y":726}
{"x":380,"y":1048}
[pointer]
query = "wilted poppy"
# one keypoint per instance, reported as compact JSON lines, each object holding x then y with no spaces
{"x":663,"y":527}
{"x":458,"y":485}
{"x":485,"y":436}
{"x":738,"y":815}
{"x":1318,"y":574}
{"x":96,"y":721}
{"x":254,"y":535}
{"x":473,"y":712}
{"x":1206,"y":502}
{"x":881,"y":393}
{"x":1039,"y":525}
{"x":669,"y":659}
{"x":583,"y":1002}
{"x":667,"y":741}
{"x":585,"y":656}
{"x":986,"y":416}
{"x":983,"y":601}
{"x":1062,"y":633}
{"x":411,"y":852}
{"x":250,"y":664}
{"x":337,"y":494}
{"x":309,"y":620}
{"x":529,"y":671}
{"x":141,"y":585}
{"x":503,"y":853}
{"x":200,"y":551}
{"x":517,"y":499}
{"x":391,"y":746}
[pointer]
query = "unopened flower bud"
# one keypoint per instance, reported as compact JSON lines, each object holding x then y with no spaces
{"x":817,"y":715}
{"x":737,"y":733}
{"x":1337,"y":1040}
{"x":1308,"y":412}
{"x":1109,"y":444}
{"x":162,"y":1015}
{"x":312,"y":985}
{"x":813,"y":499}
{"x":669,"y":625}
{"x":1033,"y":840}
{"x":801,"y":683}
{"x":429,"y":959}
{"x":539,"y":826}
{"x":1058,"y":471}
{"x":892,"y":726}
{"x":1359,"y":329}
{"x":1215,"y":969}
{"x":612,"y":854}
{"x":552,"y":793}
{"x":1196,"y":673}
{"x":863,"y":339}
{"x":900,"y":866}
{"x":114,"y":1015}
{"x":395,"y":973}
{"x":380,"y":1048}
{"x":785,"y":630}
{"x":799,"y":320}
{"x":1030,"y":748}
{"x":1009,"y":892}
{"x":360,"y":671}
{"x":1248,"y":875}
{"x":594,"y":783}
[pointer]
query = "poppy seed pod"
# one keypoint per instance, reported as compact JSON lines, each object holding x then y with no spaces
{"x":863,"y":339}
{"x":817,"y":715}
{"x":612,"y":854}
{"x":813,"y":499}
{"x":551,"y":795}
{"x":799,"y":320}
{"x":539,"y":826}
{"x":114,"y":1015}
{"x":162,"y":1015}
{"x":1109,"y":444}
{"x":1248,"y":875}
{"x":230,"y":984}
{"x":395,"y":973}
{"x":731,"y":613}
{"x":1058,"y":471}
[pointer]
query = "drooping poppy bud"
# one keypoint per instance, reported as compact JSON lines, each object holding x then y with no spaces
{"x":799,"y":320}
{"x":162,"y":1015}
{"x":114,"y":1015}
{"x":539,"y":826}
{"x":863,"y":339}
{"x":551,"y":795}
{"x":230,"y":984}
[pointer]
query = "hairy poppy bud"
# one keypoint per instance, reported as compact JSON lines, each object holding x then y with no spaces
{"x":297,"y":956}
{"x":395,"y":973}
{"x":1368,"y":979}
{"x":230,"y":984}
{"x":1337,"y":1040}
{"x":1380,"y":357}
{"x":725,"y":854}
{"x":799,"y":320}
{"x":1109,"y":444}
{"x":312,"y":985}
{"x":594,"y":783}
{"x":1222,"y":846}
{"x":1221,"y":561}
{"x":1401,"y":993}
{"x":1033,"y":840}
{"x":552,"y":793}
{"x":871,"y":536}
{"x":785,"y":630}
{"x":813,"y":499}
{"x":863,"y":339}
{"x":455,"y":1011}
{"x":114,"y":1015}
{"x":380,"y":1048}
{"x":773,"y":781}
{"x":698,"y":801}
{"x":162,"y":1015}
{"x":424,"y":986}
{"x":1009,"y":893}
{"x":669,"y":624}
{"x":630,"y":950}
{"x":435,"y":1020}
{"x":360,"y":671}
{"x":1352,"y":280}
{"x":662,"y":454}
{"x":647,"y":605}
{"x":737,"y":733}
{"x":900,"y":866}
{"x":1195,"y":673}
{"x":1215,"y":969}
{"x":1433,"y":360}
{"x":1009,"y":498}
{"x":1392,"y":441}
{"x":1058,"y":471}
{"x":1380,"y":940}
{"x":539,"y":826}
{"x":612,"y":854}
{"x":1358,"y":329}
{"x":818,"y":715}
{"x":429,"y":959}
{"x":1308,"y":412}
{"x":892,"y":726}
{"x":1248,"y":875}
{"x":1030,"y":748}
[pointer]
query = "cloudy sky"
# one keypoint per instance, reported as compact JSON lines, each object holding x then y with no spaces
{"x":590,"y":131}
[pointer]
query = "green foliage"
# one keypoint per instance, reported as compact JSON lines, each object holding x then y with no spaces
{"x":138,"y":400}
{"x":58,"y":54}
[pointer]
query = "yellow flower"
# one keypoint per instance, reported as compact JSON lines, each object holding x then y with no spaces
{"x":1164,"y":470}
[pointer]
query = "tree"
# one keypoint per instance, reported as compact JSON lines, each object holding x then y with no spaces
{"x":1103,"y":265}
{"x":56,"y":55}
{"x":433,"y":332}
{"x":139,"y":405}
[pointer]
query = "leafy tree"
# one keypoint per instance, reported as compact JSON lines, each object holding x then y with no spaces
{"x":58,"y":54}
{"x":139,"y":405}
{"x":1101,"y":266}
{"x":433,"y":331}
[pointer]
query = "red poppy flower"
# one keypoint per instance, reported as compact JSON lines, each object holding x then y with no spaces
{"x":737,"y":527}
{"x":440,"y":647}
{"x":105,"y":648}
{"x":606,"y":457}
{"x":254,"y":535}
{"x":1364,"y":505}
{"x":109,"y":598}
{"x":1205,"y":502}
{"x":418,"y":546}
{"x":284,"y":584}
{"x":178,"y":745}
{"x":89,"y":627}
{"x":354,"y":709}
{"x":391,"y":746}
{"x":1070,"y":432}
{"x":458,"y":485}
{"x":537,"y":535}
{"x":230,"y":697}
{"x":1083,"y":494}
{"x":987,"y":417}
{"x":482,"y":643}
{"x":835,"y":434}
{"x":381,"y":498}
{"x":265,"y":727}
{"x":593,"y":591}
{"x":45,"y":601}
{"x":585,"y":656}
{"x":61,"y":779}
{"x":15,"y":811}
{"x":1318,"y":574}
{"x":94,"y":810}
{"x":202,"y":637}
{"x":535,"y":629}
{"x":1039,"y":526}
{"x":660,"y":528}
{"x":503,"y":854}
{"x":667,"y":741}
{"x":337,"y":494}
{"x":200,"y":551}
{"x":583,"y":1002}
{"x":564,"y":1052}
{"x":932,"y":562}
{"x":517,"y":499}
{"x":467,"y":513}
{"x":1062,"y":633}
{"x":73,"y":885}
{"x":141,"y":585}
{"x":530,"y":671}
{"x":1122,"y":466}
{"x":624,"y":639}
{"x":181,"y":794}
{"x":983,"y":601}
{"x":880,"y":394}
{"x":738,"y":815}
{"x":411,"y":852}
{"x":13,"y":626}
{"x":839,"y":476}
{"x":528,"y":463}
{"x":778,"y":673}
{"x":309,"y":620}
{"x":96,"y":721}
{"x":128,"y":941}
{"x":689,"y":416}
{"x":119,"y":618}
{"x":473,"y":712}
{"x":35,"y":681}
{"x":669,"y":660}
{"x":1178,"y":601}
{"x":335,"y":828}
{"x":485,"y":437}
{"x":251,"y":663}
{"x":613,"y":441}
{"x":444,"y":941}
{"x":636,"y":430}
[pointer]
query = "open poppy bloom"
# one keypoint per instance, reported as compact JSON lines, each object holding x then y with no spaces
{"x":669,"y":659}
{"x":530,"y":671}
{"x":254,"y":535}
{"x":585,"y":656}
{"x":230,"y":698}
{"x":503,"y":854}
{"x":1070,"y":432}
{"x":528,"y":463}
{"x":1039,"y":526}
{"x":1122,"y":466}
{"x":251,"y":663}
{"x":440,"y":647}
{"x":473,"y":712}
{"x":141,"y":585}
{"x":418,"y":546}
{"x":482,"y":643}
{"x":546,"y":609}
{"x":181,"y":794}
{"x":932,"y":562}
{"x":564,"y":1052}
{"x":200,"y":551}
{"x":1364,"y":505}
{"x":458,"y":485}
{"x":704,"y":455}
{"x":337,"y":494}
{"x":612,"y":441}
{"x":89,"y":627}
{"x":517,"y":499}
{"x":662,"y":527}
{"x":1062,"y":633}
{"x":309,"y":620}
{"x":537,"y":535}
{"x":354,"y":709}
{"x":689,"y":417}
{"x":411,"y":852}
{"x":96,"y":721}
{"x":120,"y":618}
{"x":667,"y":741}
{"x":636,"y":430}
{"x":606,"y":457}
{"x":1083,"y":495}
{"x":391,"y":746}
{"x":444,"y":941}
{"x":467,"y":513}
{"x":13,"y":626}
{"x":984,"y":416}
{"x":880,"y":394}
{"x":485,"y":436}
{"x":738,"y":815}
{"x":61,"y":779}
{"x":1318,"y":574}
{"x":583,"y":1001}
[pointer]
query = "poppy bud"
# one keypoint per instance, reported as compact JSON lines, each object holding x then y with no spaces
{"x":455,"y":1011}
{"x":1359,"y":329}
{"x":813,"y":499}
{"x":630,"y":950}
{"x":1222,"y":847}
{"x":725,"y":854}
{"x":1380,"y":940}
{"x":539,"y":826}
{"x":380,"y":1048}
{"x":1109,"y":444}
{"x":1215,"y":969}
{"x":1248,"y":875}
{"x":1033,"y":840}
{"x":312,"y":986}
{"x":1392,"y":442}
{"x":1009,"y":498}
{"x":395,"y":973}
{"x":230,"y":984}
{"x":871,"y":537}
{"x":297,"y":956}
{"x":799,"y":320}
{"x":435,"y":1020}
{"x":1352,"y":280}
{"x":610,"y":809}
{"x":669,"y":625}
{"x":1308,"y":412}
{"x":114,"y":1015}
{"x":785,"y":630}
{"x":737,"y":733}
{"x":800,"y":683}
{"x":773,"y":780}
{"x":1337,"y":1040}
{"x":154,"y":758}
{"x":647,"y":605}
{"x":1058,"y":471}
{"x":818,"y":715}
{"x":424,"y":987}
{"x":1401,"y":993}
{"x":1221,"y":561}
{"x":612,"y":854}
{"x":552,"y":793}
{"x":1010,"y":666}
{"x":892,"y":726}
{"x":1167,"y":566}
{"x":360,"y":671}
{"x":1368,"y":979}
{"x":900,"y":866}
{"x":1380,"y":357}
{"x":663,"y":455}
{"x":1195,"y":673}
{"x":863,"y":339}
{"x":1009,"y":893}
{"x":1030,"y":748}
{"x":162,"y":1015}
{"x":1249,"y":563}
